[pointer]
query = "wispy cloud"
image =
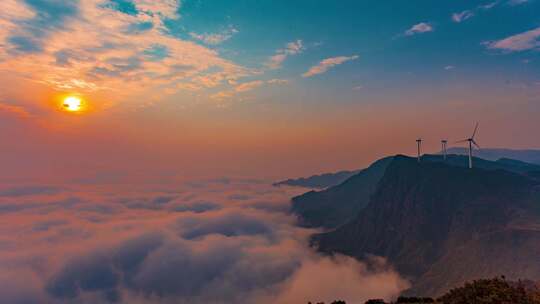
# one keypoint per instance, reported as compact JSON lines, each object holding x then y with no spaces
{"x":292,"y":48}
{"x":245,"y":87}
{"x":517,"y":2}
{"x":529,"y":40}
{"x":159,"y":8}
{"x":419,"y":28}
{"x":449,"y":67}
{"x":467,"y":14}
{"x":278,"y":81}
{"x":14,"y":110}
{"x":488,"y":6}
{"x":216,"y":38}
{"x":327,"y":64}
{"x":238,"y":88}
{"x":462,"y":16}
{"x":248,"y":86}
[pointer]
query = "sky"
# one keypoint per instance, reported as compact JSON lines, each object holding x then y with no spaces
{"x":266,"y":89}
{"x":139,"y":138}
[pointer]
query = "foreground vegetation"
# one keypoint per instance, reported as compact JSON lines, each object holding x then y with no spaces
{"x":486,"y":291}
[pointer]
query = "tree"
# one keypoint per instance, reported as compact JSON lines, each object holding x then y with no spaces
{"x":490,"y":291}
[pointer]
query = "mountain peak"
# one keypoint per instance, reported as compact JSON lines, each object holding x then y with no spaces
{"x":441,"y":224}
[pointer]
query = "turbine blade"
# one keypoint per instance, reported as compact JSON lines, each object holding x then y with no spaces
{"x":475,"y":129}
{"x":475,"y":144}
{"x":461,"y":141}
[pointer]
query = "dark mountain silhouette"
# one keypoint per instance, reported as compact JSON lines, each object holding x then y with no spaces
{"x":326,"y":180}
{"x":336,"y":205}
{"x":440,"y":224}
{"x":527,"y":155}
{"x":318,"y":181}
{"x":332,"y":207}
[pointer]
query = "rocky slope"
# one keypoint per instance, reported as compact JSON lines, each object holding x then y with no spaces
{"x":442,"y":224}
{"x":334,"y":206}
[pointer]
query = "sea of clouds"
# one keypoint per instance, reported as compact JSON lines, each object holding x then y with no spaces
{"x":211,"y":241}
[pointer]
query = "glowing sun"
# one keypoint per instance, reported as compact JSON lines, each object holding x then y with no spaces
{"x":72,"y":104}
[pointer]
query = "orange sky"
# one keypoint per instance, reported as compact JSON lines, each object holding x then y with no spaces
{"x":246,"y":139}
{"x":215,"y":104}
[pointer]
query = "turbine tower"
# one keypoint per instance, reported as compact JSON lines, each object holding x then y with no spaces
{"x":471,"y":143}
{"x":443,"y":148}
{"x":419,"y":146}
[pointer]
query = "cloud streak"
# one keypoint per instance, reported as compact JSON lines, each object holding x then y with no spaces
{"x":327,"y":64}
{"x":529,"y":40}
{"x":462,"y":16}
{"x":245,"y":87}
{"x":517,"y":2}
{"x":16,"y":111}
{"x":292,"y":48}
{"x":419,"y":28}
{"x":216,"y":38}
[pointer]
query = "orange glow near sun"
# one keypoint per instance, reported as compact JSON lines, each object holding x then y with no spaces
{"x":72,"y":104}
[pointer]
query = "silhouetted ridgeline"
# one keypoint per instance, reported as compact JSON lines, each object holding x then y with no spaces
{"x":439,"y":223}
{"x":527,"y":155}
{"x":333,"y":207}
{"x":326,"y":180}
{"x":318,"y":181}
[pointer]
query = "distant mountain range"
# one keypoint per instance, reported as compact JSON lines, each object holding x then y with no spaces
{"x":318,"y":181}
{"x":438,"y":222}
{"x":529,"y":155}
{"x":326,"y":180}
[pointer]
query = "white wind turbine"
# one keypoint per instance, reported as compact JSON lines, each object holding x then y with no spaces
{"x":471,"y":143}
{"x":419,"y":147}
{"x":443,"y":148}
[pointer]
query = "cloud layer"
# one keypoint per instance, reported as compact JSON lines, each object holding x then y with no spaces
{"x":221,"y":241}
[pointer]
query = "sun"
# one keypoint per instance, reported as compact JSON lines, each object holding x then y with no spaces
{"x":72,"y":104}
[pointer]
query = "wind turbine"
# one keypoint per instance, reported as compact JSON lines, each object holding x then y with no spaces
{"x":419,"y":146}
{"x":443,"y":148}
{"x":471,"y":143}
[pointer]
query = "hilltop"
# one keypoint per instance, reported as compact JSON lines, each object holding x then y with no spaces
{"x":334,"y":206}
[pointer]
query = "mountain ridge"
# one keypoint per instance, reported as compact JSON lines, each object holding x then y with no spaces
{"x":318,"y":181}
{"x":325,"y":180}
{"x":441,"y":224}
{"x":334,"y":206}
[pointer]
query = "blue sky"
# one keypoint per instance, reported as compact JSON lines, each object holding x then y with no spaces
{"x":372,"y":29}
